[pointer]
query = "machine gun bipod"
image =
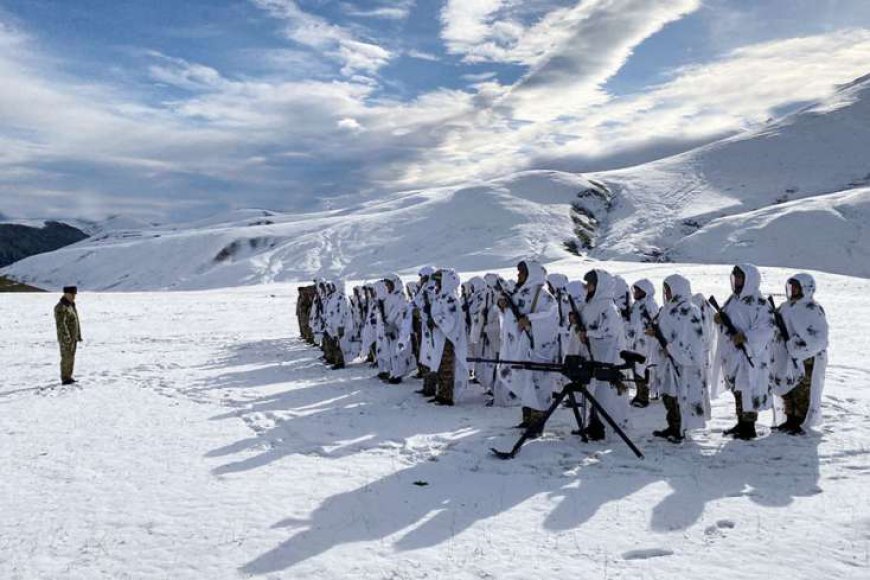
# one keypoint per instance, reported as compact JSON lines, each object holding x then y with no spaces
{"x":580,"y":372}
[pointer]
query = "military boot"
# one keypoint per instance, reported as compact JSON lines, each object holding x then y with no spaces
{"x":595,"y":430}
{"x":733,"y":431}
{"x":746,"y":432}
{"x":641,"y":398}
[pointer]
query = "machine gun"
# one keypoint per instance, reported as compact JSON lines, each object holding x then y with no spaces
{"x":515,"y":310}
{"x":663,"y":342}
{"x":580,"y":372}
{"x":730,"y":329}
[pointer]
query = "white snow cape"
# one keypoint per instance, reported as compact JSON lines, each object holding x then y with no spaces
{"x":808,"y":339}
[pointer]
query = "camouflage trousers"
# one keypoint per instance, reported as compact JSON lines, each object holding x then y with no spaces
{"x":672,"y":406}
{"x":67,"y":361}
{"x":748,"y":416}
{"x":305,"y":329}
{"x":797,"y":401}
{"x":430,"y":381}
{"x":641,"y":384}
{"x":332,"y":350}
{"x":446,"y":374}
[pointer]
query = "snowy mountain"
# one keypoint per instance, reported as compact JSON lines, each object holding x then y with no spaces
{"x":794,"y":193}
{"x":791,"y":193}
{"x":473,"y":227}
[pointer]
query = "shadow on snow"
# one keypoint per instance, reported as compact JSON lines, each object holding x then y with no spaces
{"x":334,"y":417}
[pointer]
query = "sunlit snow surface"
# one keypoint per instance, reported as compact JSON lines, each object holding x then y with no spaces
{"x":207,"y":442}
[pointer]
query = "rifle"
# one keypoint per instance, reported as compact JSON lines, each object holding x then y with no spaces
{"x":580,"y":372}
{"x":730,"y":329}
{"x":576,"y":312}
{"x":626,"y":312}
{"x":427,"y":309}
{"x":780,"y":324}
{"x":515,"y":310}
{"x":663,"y":342}
{"x":466,"y":308}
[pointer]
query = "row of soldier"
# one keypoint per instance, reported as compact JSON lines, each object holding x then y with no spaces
{"x":766,"y":356}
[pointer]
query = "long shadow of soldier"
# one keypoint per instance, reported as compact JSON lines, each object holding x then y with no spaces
{"x":770,"y":472}
{"x":332,"y":415}
{"x":465,"y":487}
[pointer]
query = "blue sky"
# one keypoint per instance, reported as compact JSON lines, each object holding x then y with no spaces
{"x":174,"y":110}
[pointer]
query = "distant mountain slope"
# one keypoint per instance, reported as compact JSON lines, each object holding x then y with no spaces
{"x":19,"y":241}
{"x":827,"y":232}
{"x":482,"y":226}
{"x":818,"y":150}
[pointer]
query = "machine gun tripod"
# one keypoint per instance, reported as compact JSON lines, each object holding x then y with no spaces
{"x":580,"y":372}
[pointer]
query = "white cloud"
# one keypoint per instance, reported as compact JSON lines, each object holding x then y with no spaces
{"x":468,"y":24}
{"x":281,"y":138}
{"x":420,"y":55}
{"x":699,"y":102}
{"x":182,"y":74}
{"x":386,"y":10}
{"x":317,"y":33}
{"x":350,"y":124}
{"x":479,"y":77}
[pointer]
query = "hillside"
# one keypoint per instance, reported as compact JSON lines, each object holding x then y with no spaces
{"x":474,"y":227}
{"x":19,"y":241}
{"x":732,"y":199}
{"x":7,"y":285}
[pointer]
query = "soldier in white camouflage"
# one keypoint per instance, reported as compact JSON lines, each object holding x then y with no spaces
{"x":69,"y":333}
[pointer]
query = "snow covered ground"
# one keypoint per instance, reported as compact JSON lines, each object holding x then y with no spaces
{"x":207,"y":442}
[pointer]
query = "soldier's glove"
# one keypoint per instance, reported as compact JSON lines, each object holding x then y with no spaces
{"x":524,"y":323}
{"x":717,"y":318}
{"x":739,"y":339}
{"x":502,"y":303}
